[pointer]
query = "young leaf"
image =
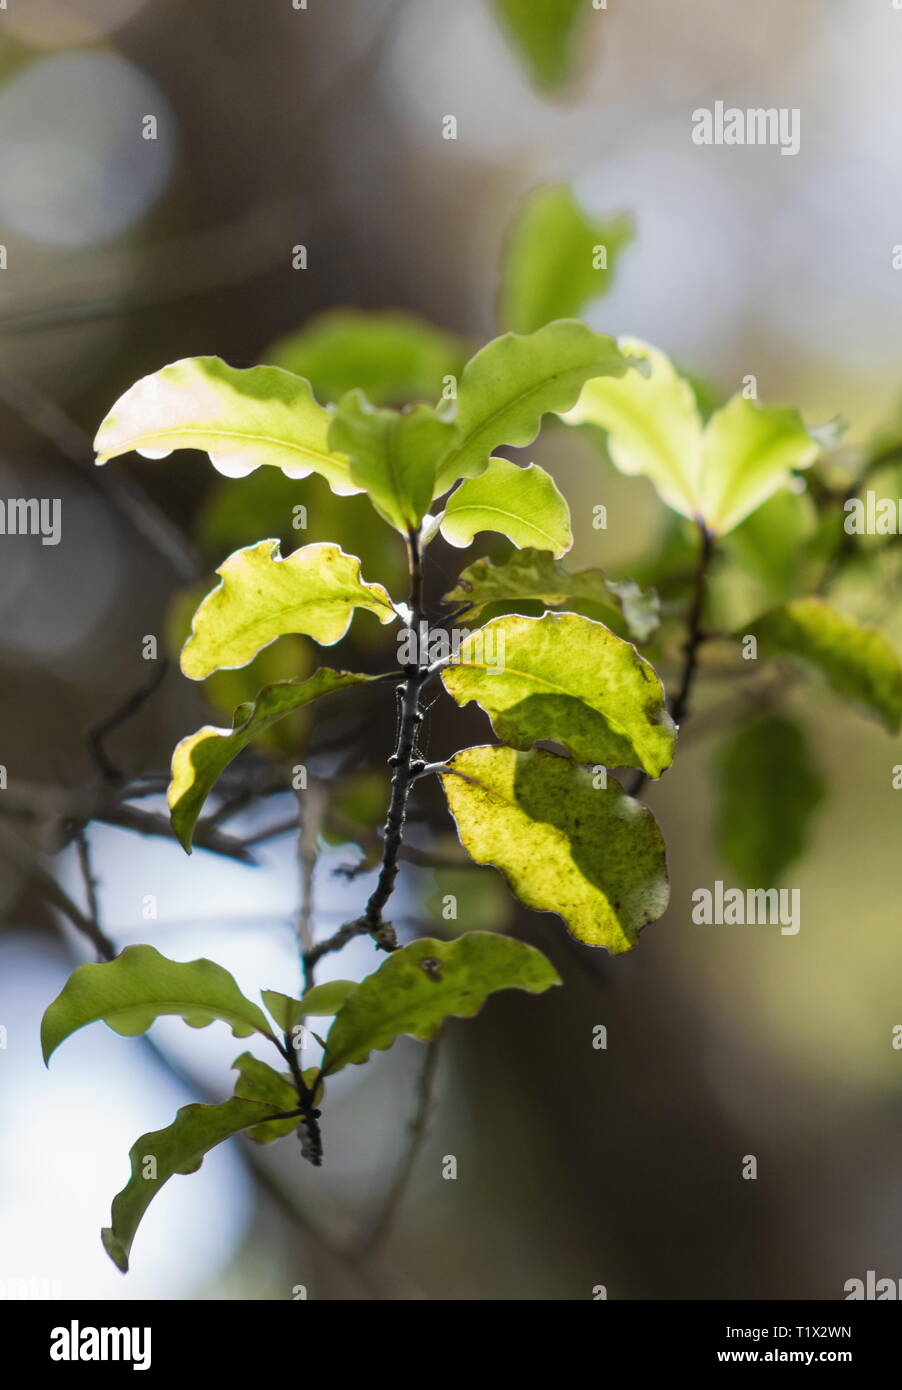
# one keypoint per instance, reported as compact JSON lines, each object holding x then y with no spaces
{"x":544,"y":34}
{"x":393,"y":357}
{"x":260,"y":1082}
{"x":513,"y":381}
{"x":589,"y":853}
{"x":321,"y":1001}
{"x":553,"y":264}
{"x":393,"y":456}
{"x":242,"y":417}
{"x":180,"y":1148}
{"x":420,"y":986}
{"x":201,"y":758}
{"x":769,"y":790}
{"x":139,"y":986}
{"x":858,"y":662}
{"x":535,"y":575}
{"x":719,"y":473}
{"x":569,"y":679}
{"x":522,"y":503}
{"x":262,"y":596}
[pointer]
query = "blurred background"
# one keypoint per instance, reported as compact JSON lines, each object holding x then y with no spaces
{"x":276,"y":127}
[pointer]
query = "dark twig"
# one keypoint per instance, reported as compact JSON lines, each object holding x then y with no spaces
{"x":125,"y":711}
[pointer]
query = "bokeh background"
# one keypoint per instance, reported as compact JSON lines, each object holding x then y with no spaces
{"x":277,"y":127}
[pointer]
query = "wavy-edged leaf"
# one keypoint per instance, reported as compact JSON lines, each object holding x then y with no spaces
{"x":858,"y":662}
{"x":393,"y":356}
{"x":156,"y":1157}
{"x":139,"y":986}
{"x":544,"y":34}
{"x":591,"y":854}
{"x":258,"y":1081}
{"x":552,"y":266}
{"x":535,"y":575}
{"x":424,"y":983}
{"x":521,"y":503}
{"x":566,"y":678}
{"x":262,"y":596}
{"x":242,"y":417}
{"x":394,"y":455}
{"x":720,"y":472}
{"x":513,"y":381}
{"x":768,"y":791}
{"x":320,"y":1001}
{"x":200,"y":759}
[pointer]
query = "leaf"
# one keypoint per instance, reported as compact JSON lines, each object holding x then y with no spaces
{"x":566,"y":678}
{"x":513,"y":381}
{"x":262,"y":596}
{"x":543,"y":32}
{"x":720,"y":472}
{"x":200,"y":759}
{"x":321,"y":1001}
{"x":139,"y":986}
{"x":592,"y":855}
{"x":530,"y":574}
{"x":393,"y":456}
{"x":858,"y":662}
{"x":769,"y":790}
{"x":550,"y":265}
{"x":522,"y":503}
{"x":424,"y":983}
{"x":260,"y":1082}
{"x":242,"y":417}
{"x":392,"y":356}
{"x":180,"y":1148}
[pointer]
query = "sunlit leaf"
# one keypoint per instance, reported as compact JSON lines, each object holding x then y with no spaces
{"x":158,"y":1156}
{"x":522,"y":503}
{"x":719,"y":472}
{"x":587,"y":852}
{"x":513,"y":381}
{"x":258,"y":1081}
{"x":557,"y":259}
{"x":535,"y":575}
{"x":242,"y":417}
{"x":262,"y":596}
{"x":769,"y":790}
{"x":394,"y":456}
{"x":392,"y":356}
{"x":139,"y":986}
{"x":566,"y":678}
{"x":199,"y":760}
{"x":424,"y":983}
{"x":544,"y":34}
{"x":858,"y":662}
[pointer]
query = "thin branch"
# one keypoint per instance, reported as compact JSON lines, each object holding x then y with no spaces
{"x":311,"y":807}
{"x":129,"y":707}
{"x":16,"y":851}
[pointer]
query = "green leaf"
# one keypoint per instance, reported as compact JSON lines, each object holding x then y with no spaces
{"x":720,"y":472}
{"x":544,"y":33}
{"x":321,"y":1001}
{"x":158,"y":1156}
{"x":858,"y":662}
{"x":522,"y":503}
{"x":591,"y":854}
{"x":262,"y":596}
{"x":420,"y":986}
{"x":201,"y":758}
{"x":392,"y":356}
{"x":260,"y":1082}
{"x":393,"y":455}
{"x":551,"y":265}
{"x":535,"y":575}
{"x":566,"y":678}
{"x":769,"y":790}
{"x":139,"y":986}
{"x":513,"y":381}
{"x":242,"y":417}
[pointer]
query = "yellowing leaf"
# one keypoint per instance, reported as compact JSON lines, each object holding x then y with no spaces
{"x":314,"y":591}
{"x":522,"y":503}
{"x":589,"y":853}
{"x":241,"y":417}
